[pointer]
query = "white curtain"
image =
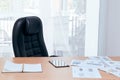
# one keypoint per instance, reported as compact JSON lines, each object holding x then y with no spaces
{"x":64,"y":23}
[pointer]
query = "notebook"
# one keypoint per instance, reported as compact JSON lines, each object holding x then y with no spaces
{"x":14,"y":67}
{"x":32,"y":68}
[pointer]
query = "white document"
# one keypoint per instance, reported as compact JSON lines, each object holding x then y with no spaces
{"x":109,"y":66}
{"x":104,"y":58}
{"x":77,"y":62}
{"x":114,"y":63}
{"x":12,"y":67}
{"x":113,"y":68}
{"x":85,"y":72}
{"x":94,"y":63}
{"x":103,"y":63}
{"x":32,"y":68}
{"x":88,"y":63}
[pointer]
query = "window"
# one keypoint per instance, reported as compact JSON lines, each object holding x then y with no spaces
{"x":64,"y":24}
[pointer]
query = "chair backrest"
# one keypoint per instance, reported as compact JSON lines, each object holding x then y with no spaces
{"x":27,"y":38}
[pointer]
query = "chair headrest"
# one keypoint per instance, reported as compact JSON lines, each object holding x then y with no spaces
{"x":33,"y":24}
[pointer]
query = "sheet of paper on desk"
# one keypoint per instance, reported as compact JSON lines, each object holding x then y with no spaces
{"x":12,"y":67}
{"x":114,"y":63}
{"x":103,"y":63}
{"x":113,"y":68}
{"x":99,"y":61}
{"x":77,"y":62}
{"x":32,"y":68}
{"x":85,"y":72}
{"x":91,"y":63}
{"x":104,"y":58}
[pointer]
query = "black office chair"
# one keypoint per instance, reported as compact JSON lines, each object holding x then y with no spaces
{"x":27,"y":38}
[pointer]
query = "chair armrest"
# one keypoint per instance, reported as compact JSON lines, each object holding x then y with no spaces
{"x":54,"y":56}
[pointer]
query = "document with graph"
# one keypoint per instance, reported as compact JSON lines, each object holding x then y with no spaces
{"x":85,"y":72}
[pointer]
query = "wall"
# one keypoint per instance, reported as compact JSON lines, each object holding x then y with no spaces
{"x":92,"y":25}
{"x":102,"y":28}
{"x":109,"y":28}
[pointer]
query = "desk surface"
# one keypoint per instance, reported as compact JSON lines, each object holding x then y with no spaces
{"x":49,"y":72}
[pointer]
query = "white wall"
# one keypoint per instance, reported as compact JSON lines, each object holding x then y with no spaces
{"x":102,"y":28}
{"x":92,"y":24}
{"x":109,"y":33}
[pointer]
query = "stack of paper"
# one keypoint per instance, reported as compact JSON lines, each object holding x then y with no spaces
{"x":113,"y":68}
{"x":14,"y":67}
{"x":100,"y":62}
{"x":108,"y":65}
